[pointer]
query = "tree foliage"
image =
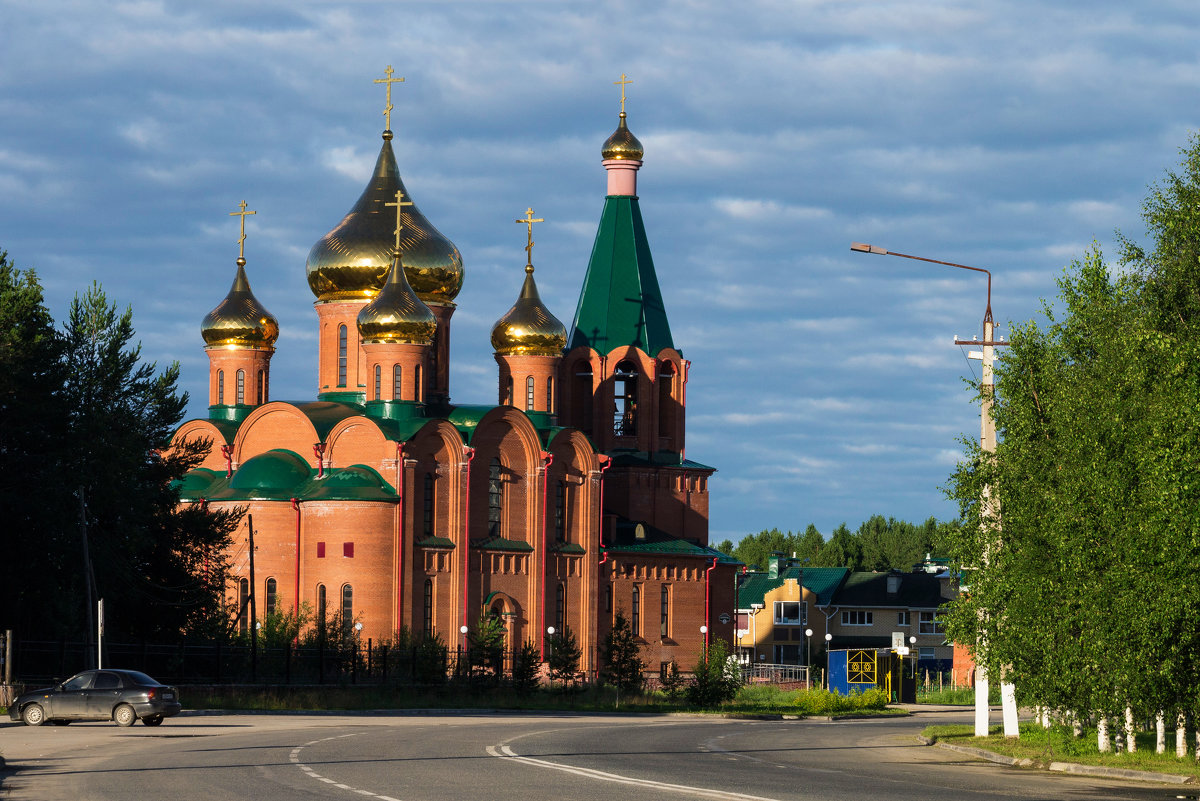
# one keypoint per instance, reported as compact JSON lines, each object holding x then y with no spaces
{"x":715,"y":678}
{"x":564,"y":655}
{"x":85,"y":426}
{"x":623,"y":666}
{"x":880,"y":543}
{"x":1085,"y":581}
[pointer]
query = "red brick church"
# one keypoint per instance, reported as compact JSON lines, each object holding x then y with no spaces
{"x":385,"y":501}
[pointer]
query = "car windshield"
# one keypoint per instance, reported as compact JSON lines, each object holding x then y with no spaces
{"x":137,"y":677}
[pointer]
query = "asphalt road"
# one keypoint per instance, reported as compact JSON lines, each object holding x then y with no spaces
{"x":522,"y":757}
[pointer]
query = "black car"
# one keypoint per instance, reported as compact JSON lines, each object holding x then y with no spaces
{"x":120,"y":695}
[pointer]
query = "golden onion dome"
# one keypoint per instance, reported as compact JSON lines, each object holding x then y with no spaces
{"x":529,"y":329}
{"x":397,"y":314}
{"x":622,"y":144}
{"x":352,"y":261}
{"x":240,"y":321}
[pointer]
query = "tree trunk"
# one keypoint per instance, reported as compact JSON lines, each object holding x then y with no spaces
{"x":1160,"y":733}
{"x":1180,"y":736}
{"x":1076,"y":726}
{"x":1130,"y":740}
{"x":1102,"y":742}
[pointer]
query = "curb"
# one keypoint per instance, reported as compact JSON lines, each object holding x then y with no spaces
{"x":1064,"y":767}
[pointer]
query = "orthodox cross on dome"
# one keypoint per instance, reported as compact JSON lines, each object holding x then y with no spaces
{"x":242,"y":238}
{"x":529,"y":220}
{"x":399,"y":204}
{"x":387,"y":110}
{"x":622,"y":82}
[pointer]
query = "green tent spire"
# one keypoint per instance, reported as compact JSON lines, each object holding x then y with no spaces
{"x":621,"y":303}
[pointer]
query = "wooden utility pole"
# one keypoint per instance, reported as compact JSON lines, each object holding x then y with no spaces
{"x":253,"y":607}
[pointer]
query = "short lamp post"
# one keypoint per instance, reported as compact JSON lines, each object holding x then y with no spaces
{"x":808,"y":633}
{"x":825,"y":675}
{"x":550,"y":641}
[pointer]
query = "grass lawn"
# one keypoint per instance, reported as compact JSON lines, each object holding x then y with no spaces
{"x":1058,"y":744}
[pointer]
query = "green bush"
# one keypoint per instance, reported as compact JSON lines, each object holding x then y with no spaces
{"x":715,"y":679}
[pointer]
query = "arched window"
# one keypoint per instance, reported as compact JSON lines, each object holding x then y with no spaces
{"x":560,"y":512}
{"x":378,"y":380}
{"x":507,"y":400}
{"x":241,"y":387}
{"x":347,"y":608}
{"x":418,"y":390}
{"x":581,"y":398}
{"x":427,"y":609}
{"x":666,"y":405}
{"x":341,"y":356}
{"x":560,"y":608}
{"x":271,"y":588}
{"x":322,"y":609}
{"x":264,"y":381}
{"x":427,"y":509}
{"x":243,"y":604}
{"x":664,"y":616}
{"x":397,"y":374}
{"x":608,"y":605}
{"x":495,"y":498}
{"x":625,"y":383}
{"x":259,"y":392}
{"x":220,"y":387}
{"x":550,"y":394}
{"x":529,"y":394}
{"x":636,"y":613}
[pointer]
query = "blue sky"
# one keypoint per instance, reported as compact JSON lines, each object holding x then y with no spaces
{"x":825,"y":388}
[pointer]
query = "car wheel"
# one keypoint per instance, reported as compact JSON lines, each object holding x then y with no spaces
{"x":154,"y":720}
{"x":33,"y":715}
{"x":124,"y":715}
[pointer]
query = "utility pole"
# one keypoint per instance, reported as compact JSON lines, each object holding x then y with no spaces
{"x":88,"y":577}
{"x":253,"y":608}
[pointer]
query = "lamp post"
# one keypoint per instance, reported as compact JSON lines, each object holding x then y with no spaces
{"x":808,"y":633}
{"x":825,"y":674}
{"x":987,"y":443}
{"x":550,"y":641}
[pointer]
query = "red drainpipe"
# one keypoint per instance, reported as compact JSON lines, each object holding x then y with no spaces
{"x":470,"y":454}
{"x":549,"y":459}
{"x":296,"y":506}
{"x":687,"y":369}
{"x":606,"y":462}
{"x":707,"y":580}
{"x":400,"y":534}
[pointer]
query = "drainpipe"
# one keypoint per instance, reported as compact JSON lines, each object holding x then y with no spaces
{"x":296,"y":506}
{"x":319,"y":452}
{"x":400,"y":534}
{"x":707,"y":581}
{"x":227,"y":452}
{"x":687,"y":369}
{"x":549,"y":460}
{"x":604,"y":465}
{"x":470,"y":454}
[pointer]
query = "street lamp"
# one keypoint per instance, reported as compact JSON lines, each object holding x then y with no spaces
{"x":550,"y":640}
{"x":987,"y":443}
{"x":808,"y":633}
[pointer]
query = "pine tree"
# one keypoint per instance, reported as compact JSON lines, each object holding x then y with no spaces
{"x":621,"y":654}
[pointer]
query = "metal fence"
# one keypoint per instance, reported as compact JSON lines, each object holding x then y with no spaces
{"x":760,"y":673}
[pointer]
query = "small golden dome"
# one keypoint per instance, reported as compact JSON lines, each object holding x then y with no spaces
{"x":240,"y":321}
{"x":352,"y":261}
{"x":396,"y":314}
{"x":529,"y":329}
{"x":622,"y":144}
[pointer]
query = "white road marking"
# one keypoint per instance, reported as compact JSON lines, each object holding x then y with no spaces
{"x":504,"y":752}
{"x":312,"y":774}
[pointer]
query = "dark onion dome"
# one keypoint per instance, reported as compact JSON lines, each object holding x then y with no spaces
{"x":396,"y":314}
{"x":529,"y":329}
{"x":352,"y":261}
{"x":240,"y":321}
{"x":622,"y":144}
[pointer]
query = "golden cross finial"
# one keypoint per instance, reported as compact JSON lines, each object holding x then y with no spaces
{"x":399,"y":204}
{"x":529,"y":220}
{"x":622,"y":82}
{"x":242,"y":238}
{"x":387,"y":110}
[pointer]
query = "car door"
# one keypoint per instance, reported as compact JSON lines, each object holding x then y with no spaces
{"x":103,"y":695}
{"x":70,"y":702}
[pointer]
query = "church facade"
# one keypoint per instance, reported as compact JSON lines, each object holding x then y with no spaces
{"x":384,"y":503}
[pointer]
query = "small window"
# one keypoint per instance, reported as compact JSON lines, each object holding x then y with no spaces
{"x":241,"y":387}
{"x":341,"y":356}
{"x":664,"y":617}
{"x":560,"y":608}
{"x":378,"y":380}
{"x":220,"y":387}
{"x":347,"y":608}
{"x":930,"y":624}
{"x":418,"y":390}
{"x":271,"y":589}
{"x":320,"y":550}
{"x":243,"y":604}
{"x":495,"y":498}
{"x":550,"y":395}
{"x":397,"y":375}
{"x":925,"y":655}
{"x":560,"y":512}
{"x":321,"y":608}
{"x":625,"y":399}
{"x":636,"y":614}
{"x":427,"y":510}
{"x":529,"y":394}
{"x":790,"y":613}
{"x":858,"y":617}
{"x":428,"y":608}
{"x":608,"y":592}
{"x":902,"y":618}
{"x":262,"y":388}
{"x":507,"y":400}
{"x":348,"y":550}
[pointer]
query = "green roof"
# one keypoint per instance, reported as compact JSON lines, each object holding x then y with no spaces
{"x":676,"y":548}
{"x":620,"y":303}
{"x":281,"y":475}
{"x":437,"y":543}
{"x":655,"y":459}
{"x":501,"y":544}
{"x":820,"y":581}
{"x":570,"y":548}
{"x":917,"y":590}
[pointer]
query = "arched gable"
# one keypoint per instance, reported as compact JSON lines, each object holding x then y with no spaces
{"x":273,"y":426}
{"x":219,"y":433}
{"x":359,"y":440}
